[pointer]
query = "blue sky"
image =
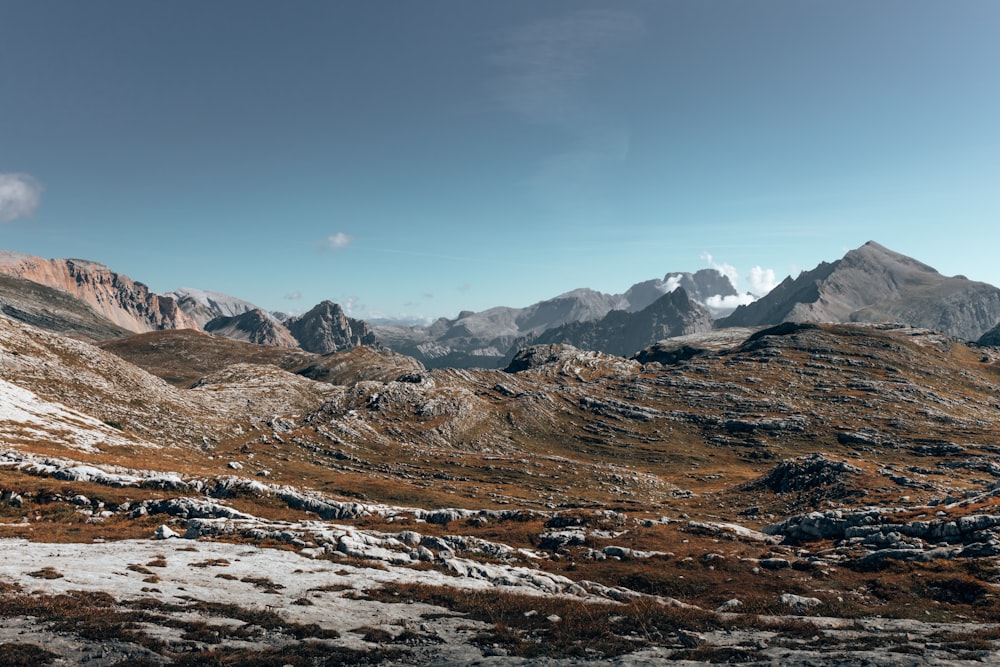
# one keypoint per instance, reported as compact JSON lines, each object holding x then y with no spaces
{"x":418,"y":158}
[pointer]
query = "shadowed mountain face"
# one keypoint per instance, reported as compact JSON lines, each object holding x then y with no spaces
{"x":874,"y":284}
{"x":991,"y":337}
{"x":623,"y":333}
{"x":54,"y":310}
{"x":253,"y":326}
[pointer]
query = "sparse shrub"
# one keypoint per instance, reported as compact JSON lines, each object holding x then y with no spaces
{"x":47,"y":572}
{"x":25,"y":655}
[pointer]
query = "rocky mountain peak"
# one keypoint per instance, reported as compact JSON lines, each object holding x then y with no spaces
{"x":700,"y":286}
{"x":875,"y":284}
{"x":326,"y":328}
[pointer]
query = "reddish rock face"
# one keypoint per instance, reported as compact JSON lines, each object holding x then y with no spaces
{"x":127,"y":303}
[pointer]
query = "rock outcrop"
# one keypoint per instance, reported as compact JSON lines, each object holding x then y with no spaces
{"x":126,"y":303}
{"x":875,"y":284}
{"x":991,"y":337}
{"x":327,"y":328}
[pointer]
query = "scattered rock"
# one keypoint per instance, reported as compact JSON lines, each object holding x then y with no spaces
{"x":799,"y":603}
{"x":165,"y":533}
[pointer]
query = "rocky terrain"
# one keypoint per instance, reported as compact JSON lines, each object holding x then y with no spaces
{"x":875,"y":284}
{"x":802,"y":494}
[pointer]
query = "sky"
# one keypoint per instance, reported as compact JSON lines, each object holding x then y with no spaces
{"x":415,"y":159}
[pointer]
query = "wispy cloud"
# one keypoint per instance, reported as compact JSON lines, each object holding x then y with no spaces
{"x":545,"y":66}
{"x":337,"y":241}
{"x":464,"y":287}
{"x":547,"y":74}
{"x":20,"y":195}
{"x":294,"y":296}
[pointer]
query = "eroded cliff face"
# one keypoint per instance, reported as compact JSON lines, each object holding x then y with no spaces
{"x":127,"y":303}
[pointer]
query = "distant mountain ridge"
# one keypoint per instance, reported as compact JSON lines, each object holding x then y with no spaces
{"x":204,"y":306}
{"x":484,"y":339}
{"x":869,"y":284}
{"x":625,"y":333}
{"x":89,"y":300}
{"x":875,"y":284}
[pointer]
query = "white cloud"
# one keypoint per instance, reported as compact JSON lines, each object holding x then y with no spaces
{"x":761,"y":281}
{"x":728,"y":270}
{"x":673,"y":282}
{"x":548,"y":72}
{"x":294,"y":296}
{"x":20,"y":195}
{"x":349,"y":304}
{"x":337,"y":241}
{"x":729,"y":303}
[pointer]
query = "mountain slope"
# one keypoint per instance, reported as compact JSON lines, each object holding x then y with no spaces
{"x":874,"y":284}
{"x":204,"y":306}
{"x":54,"y":310}
{"x":623,"y":333}
{"x":126,"y":303}
{"x":252,"y":326}
{"x":182,"y":357}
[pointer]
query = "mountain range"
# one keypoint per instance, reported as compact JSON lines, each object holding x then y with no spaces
{"x":490,"y":337}
{"x":875,"y":284}
{"x":869,"y":284}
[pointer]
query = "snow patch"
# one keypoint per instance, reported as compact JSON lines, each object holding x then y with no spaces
{"x":24,"y":416}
